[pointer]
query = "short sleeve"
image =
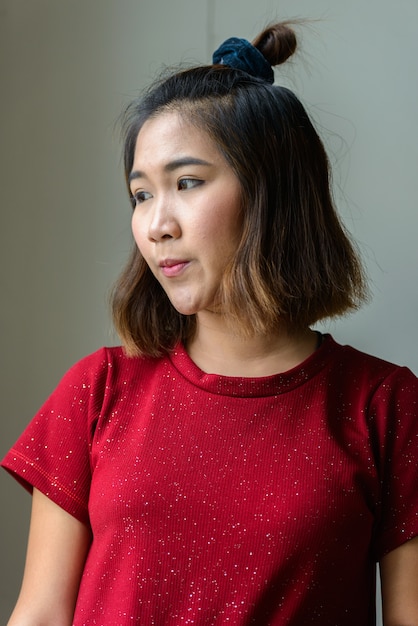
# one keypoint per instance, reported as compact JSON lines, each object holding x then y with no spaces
{"x":394,"y":411}
{"x":53,"y":453}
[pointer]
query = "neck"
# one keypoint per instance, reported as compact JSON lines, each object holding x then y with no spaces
{"x":217,"y":350}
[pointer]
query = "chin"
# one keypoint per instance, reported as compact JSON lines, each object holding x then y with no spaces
{"x":185,"y":309}
{"x":192,"y":307}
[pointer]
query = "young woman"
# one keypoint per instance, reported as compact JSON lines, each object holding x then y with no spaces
{"x":228,"y":465}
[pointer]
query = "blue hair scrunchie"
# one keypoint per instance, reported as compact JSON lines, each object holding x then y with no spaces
{"x":242,"y":55}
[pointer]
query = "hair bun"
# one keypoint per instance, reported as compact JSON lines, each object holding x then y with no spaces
{"x":273,"y":46}
{"x":276,"y":43}
{"x":242,"y":55}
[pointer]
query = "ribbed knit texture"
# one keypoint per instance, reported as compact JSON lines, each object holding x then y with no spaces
{"x":229,"y":501}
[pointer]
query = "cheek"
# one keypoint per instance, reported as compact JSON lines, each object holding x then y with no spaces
{"x":232,"y":227}
{"x":137,"y":231}
{"x":225,"y":217}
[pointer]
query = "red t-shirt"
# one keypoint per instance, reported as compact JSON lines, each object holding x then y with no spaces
{"x":216,"y":500}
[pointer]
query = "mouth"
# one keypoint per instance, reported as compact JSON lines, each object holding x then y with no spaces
{"x":173,"y":267}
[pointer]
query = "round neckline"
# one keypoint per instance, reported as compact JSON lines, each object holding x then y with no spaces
{"x":252,"y":387}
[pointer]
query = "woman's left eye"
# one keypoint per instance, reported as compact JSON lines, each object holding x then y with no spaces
{"x":188,"y":183}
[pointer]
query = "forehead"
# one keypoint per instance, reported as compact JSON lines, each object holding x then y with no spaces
{"x":170,"y":134}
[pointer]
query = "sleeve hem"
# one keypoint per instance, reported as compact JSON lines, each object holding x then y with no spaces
{"x":31,"y":475}
{"x":395,"y":537}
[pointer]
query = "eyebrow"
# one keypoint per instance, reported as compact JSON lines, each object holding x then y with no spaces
{"x":171,"y":166}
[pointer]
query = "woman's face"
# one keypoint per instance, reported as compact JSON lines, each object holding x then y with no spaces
{"x":186,"y":220}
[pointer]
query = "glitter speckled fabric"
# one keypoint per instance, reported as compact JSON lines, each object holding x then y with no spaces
{"x":229,"y":501}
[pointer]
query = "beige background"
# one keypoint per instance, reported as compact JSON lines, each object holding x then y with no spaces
{"x":66,"y":69}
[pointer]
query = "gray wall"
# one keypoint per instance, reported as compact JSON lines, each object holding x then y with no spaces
{"x":66,"y":69}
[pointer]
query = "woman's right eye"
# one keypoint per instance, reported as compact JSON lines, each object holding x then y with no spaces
{"x":139,"y":197}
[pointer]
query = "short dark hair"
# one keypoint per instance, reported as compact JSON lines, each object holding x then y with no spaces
{"x":295,"y":263}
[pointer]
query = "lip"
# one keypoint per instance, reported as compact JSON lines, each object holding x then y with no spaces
{"x":173,"y":267}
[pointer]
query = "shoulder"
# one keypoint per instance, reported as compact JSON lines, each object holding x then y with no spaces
{"x":367,"y":369}
{"x":368,"y":383}
{"x":110,"y":361}
{"x":109,"y":370}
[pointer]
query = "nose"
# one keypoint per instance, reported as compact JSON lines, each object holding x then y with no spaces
{"x":163,"y":221}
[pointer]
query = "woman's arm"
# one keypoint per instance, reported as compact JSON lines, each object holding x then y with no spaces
{"x":57,"y":549}
{"x":399,"y":575}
